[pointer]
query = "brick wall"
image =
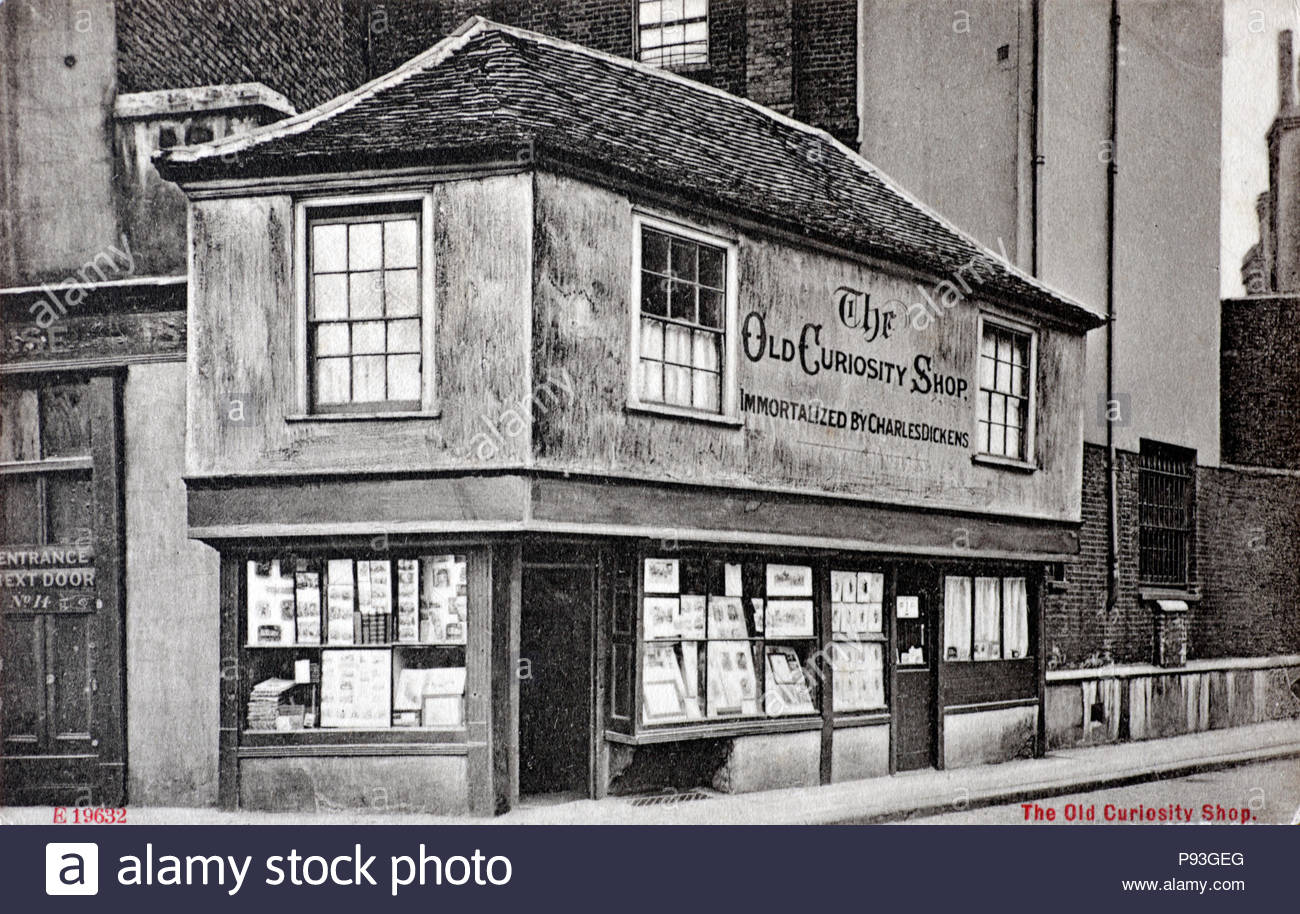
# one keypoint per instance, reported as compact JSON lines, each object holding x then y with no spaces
{"x":1259,"y":378}
{"x":304,"y":49}
{"x":826,"y":66}
{"x":798,"y":57}
{"x":1249,"y":547}
{"x":1245,"y":567}
{"x":1079,"y":624}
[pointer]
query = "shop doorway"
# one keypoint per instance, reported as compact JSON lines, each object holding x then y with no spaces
{"x":555,"y":685}
{"x":915,"y":720}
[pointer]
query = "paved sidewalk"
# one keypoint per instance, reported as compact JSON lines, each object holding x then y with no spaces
{"x":875,"y":800}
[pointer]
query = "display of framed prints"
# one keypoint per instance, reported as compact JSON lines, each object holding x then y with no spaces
{"x":356,"y":688}
{"x":691,"y":614}
{"x":727,"y":618}
{"x":859,"y":669}
{"x":788,"y":619}
{"x":704,"y":623}
{"x":670,"y":683}
{"x":787,"y":685}
{"x":857,"y":604}
{"x":789,"y":581}
{"x":733,"y":684}
{"x":661,"y":617}
{"x":350,"y":634}
{"x":271,"y":603}
{"x":661,"y":576}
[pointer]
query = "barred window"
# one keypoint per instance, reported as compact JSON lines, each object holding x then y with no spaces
{"x":682,"y":323}
{"x":1005,"y":392}
{"x":673,"y":33}
{"x":364,"y":309}
{"x":1165,"y":497}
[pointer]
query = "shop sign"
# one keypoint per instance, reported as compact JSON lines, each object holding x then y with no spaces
{"x":870,"y":373}
{"x":59,"y":578}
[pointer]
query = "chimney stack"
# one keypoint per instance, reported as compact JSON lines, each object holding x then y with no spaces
{"x":1285,"y":66}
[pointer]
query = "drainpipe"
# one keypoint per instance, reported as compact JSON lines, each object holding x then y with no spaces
{"x":1112,"y":471}
{"x":1035,"y":144}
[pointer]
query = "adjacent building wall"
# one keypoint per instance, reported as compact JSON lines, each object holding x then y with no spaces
{"x":56,"y":161}
{"x":794,"y":55}
{"x":308,"y":50}
{"x":1260,"y":377}
{"x":947,"y":118}
{"x":172,"y":662}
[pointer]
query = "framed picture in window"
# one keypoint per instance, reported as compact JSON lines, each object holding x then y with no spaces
{"x":789,"y":581}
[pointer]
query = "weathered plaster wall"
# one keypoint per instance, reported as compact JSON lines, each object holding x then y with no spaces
{"x":56,"y":163}
{"x":172,"y":648}
{"x":581,"y":327}
{"x":242,"y":320}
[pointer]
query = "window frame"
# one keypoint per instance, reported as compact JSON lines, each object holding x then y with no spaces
{"x":358,"y":205}
{"x":1029,"y":460}
{"x":684,"y":66}
{"x":972,"y":576}
{"x":729,"y":395}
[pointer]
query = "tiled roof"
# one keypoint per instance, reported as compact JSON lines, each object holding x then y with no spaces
{"x":492,"y":87}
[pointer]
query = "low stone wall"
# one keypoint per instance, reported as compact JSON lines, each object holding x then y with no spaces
{"x":1109,"y":704}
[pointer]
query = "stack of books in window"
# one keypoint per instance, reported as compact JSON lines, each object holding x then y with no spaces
{"x":270,"y":706}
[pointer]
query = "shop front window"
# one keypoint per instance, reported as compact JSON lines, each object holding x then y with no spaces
{"x":985,"y":618}
{"x":858,"y":640}
{"x":350,"y":643}
{"x":726,"y":639}
{"x":683,"y":289}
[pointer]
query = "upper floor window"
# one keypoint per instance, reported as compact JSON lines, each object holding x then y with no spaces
{"x":684,"y":288}
{"x":673,"y":33}
{"x":367,"y":331}
{"x":1166,"y":493}
{"x":1006,"y":391}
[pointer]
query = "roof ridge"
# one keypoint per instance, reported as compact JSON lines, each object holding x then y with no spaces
{"x":298,"y":123}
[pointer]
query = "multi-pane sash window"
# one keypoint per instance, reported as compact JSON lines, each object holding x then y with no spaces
{"x":364,"y":338}
{"x":1004,"y":396}
{"x":682,"y":322}
{"x":673,"y":33}
{"x":1165,"y":496}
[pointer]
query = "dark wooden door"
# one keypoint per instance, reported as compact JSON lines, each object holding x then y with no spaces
{"x":61,"y":729}
{"x":914,"y":689}
{"x":555,"y":683}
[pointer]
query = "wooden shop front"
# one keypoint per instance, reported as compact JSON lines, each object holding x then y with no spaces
{"x":533,"y":472}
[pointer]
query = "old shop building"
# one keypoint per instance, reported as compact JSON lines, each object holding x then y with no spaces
{"x":607,"y":431}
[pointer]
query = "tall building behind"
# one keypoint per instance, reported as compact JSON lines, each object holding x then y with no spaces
{"x":999,"y":114}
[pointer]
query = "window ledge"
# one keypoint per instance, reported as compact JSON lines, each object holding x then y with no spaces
{"x":672,"y":412}
{"x":404,"y":415}
{"x":1151,"y":592}
{"x":1004,"y":463}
